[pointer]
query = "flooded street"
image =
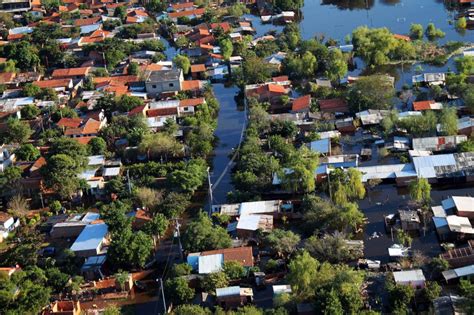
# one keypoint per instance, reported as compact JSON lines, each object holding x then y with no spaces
{"x":230,"y":128}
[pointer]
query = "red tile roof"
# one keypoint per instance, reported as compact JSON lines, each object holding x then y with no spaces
{"x":69,"y":122}
{"x":198,"y":68}
{"x":88,"y":21}
{"x":181,"y":6}
{"x":225,"y":26}
{"x":55,"y":83}
{"x":334,"y":105}
{"x":191,"y":85}
{"x":423,"y":105}
{"x":157,"y":112}
{"x":197,"y":12}
{"x":70,"y":72}
{"x":243,"y":255}
{"x":192,"y":102}
{"x":280,"y":78}
{"x":301,"y":103}
{"x":402,"y":37}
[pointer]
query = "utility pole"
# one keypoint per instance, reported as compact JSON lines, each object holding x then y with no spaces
{"x":41,"y":198}
{"x":328,"y":172}
{"x":177,"y":234}
{"x":165,"y":310}
{"x":210,"y":191}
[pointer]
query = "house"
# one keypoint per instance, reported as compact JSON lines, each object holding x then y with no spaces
{"x":7,"y":225}
{"x":410,"y":221}
{"x":190,"y":14}
{"x":162,"y":81}
{"x":64,"y":308}
{"x":92,"y":267}
{"x":335,"y":105}
{"x":89,"y":128}
{"x":460,"y":256}
{"x":248,"y":225}
{"x":213,"y":260}
{"x":436,"y":144}
{"x":301,"y":104}
{"x":233,"y":297}
{"x":460,"y":205}
{"x":72,"y":226}
{"x":445,"y":168}
{"x":6,"y":158}
{"x":15,"y":6}
{"x":198,"y":71}
{"x":462,"y":272}
{"x":71,"y":73}
{"x":453,"y":228}
{"x":249,"y":208}
{"x":414,"y":278}
{"x":55,"y":84}
{"x":466,"y":126}
{"x":372,"y":117}
{"x":430,"y":78}
{"x":322,"y":146}
{"x":402,"y":174}
{"x":427,"y":105}
{"x":91,"y":241}
{"x":267,"y":92}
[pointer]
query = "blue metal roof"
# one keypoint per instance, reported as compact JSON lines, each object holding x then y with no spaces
{"x":90,"y":237}
{"x":322,"y":146}
{"x":425,"y":165}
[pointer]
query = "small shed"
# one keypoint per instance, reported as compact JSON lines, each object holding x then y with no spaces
{"x":414,"y":278}
{"x":233,"y":297}
{"x":322,"y":146}
{"x":410,"y":221}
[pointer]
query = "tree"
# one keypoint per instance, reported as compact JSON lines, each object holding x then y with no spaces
{"x":183,"y":269}
{"x":255,"y":70}
{"x":174,"y":204}
{"x":289,"y":5}
{"x":449,"y":121}
{"x":27,"y":152}
{"x":234,"y":270}
{"x":55,"y":206}
{"x":371,"y":92}
{"x":121,"y":12}
{"x":332,"y":248}
{"x":433,"y":33}
{"x":97,"y":146}
{"x":404,"y":238}
{"x":191,"y":309}
{"x":29,"y":112}
{"x":336,"y":65}
{"x":60,"y":174}
{"x":56,"y":279}
{"x":214,"y":281}
{"x":189,"y":178}
{"x":201,"y":235}
{"x":461,"y":23}
{"x":133,"y":68}
{"x":156,"y":6}
{"x":183,"y":63}
{"x":72,"y":148}
{"x":416,"y":31}
{"x":283,"y":242}
{"x":237,"y":10}
{"x":17,"y":131}
{"x":159,"y":145}
{"x":466,"y":146}
{"x":122,"y":278}
{"x":226,"y":48}
{"x":465,"y":64}
{"x":302,"y":273}
{"x":420,"y":190}
{"x":126,"y":103}
{"x":19,"y":206}
{"x":467,"y":292}
{"x":438,"y":265}
{"x":178,"y":290}
{"x":182,"y":42}
{"x":333,"y":305}
{"x":157,"y":226}
{"x":400,"y":295}
{"x":23,"y":53}
{"x":112,"y":309}
{"x":431,"y":291}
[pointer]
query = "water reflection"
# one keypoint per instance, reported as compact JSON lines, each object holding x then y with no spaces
{"x":350,"y":4}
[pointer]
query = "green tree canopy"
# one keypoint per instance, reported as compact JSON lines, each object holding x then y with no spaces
{"x":201,"y":235}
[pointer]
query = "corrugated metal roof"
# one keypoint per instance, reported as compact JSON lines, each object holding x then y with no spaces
{"x":90,"y":237}
{"x":408,"y":276}
{"x":228,"y":291}
{"x":458,"y":272}
{"x":425,"y":165}
{"x":210,"y":263}
{"x":90,"y":217}
{"x":322,"y":146}
{"x":248,"y":222}
{"x":254,"y":207}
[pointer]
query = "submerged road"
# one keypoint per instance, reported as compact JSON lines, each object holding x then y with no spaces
{"x":230,"y":129}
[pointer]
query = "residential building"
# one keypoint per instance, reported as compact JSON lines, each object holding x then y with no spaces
{"x":233,"y":297}
{"x":91,"y":241}
{"x":212,"y":261}
{"x":414,"y":278}
{"x":162,"y":81}
{"x":436,"y":144}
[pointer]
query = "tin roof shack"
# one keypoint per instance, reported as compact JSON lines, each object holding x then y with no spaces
{"x":463,"y":272}
{"x":92,"y":267}
{"x":453,"y":228}
{"x":410,"y":221}
{"x":372,"y":117}
{"x":247,"y":208}
{"x":466,"y":126}
{"x":461,"y":256}
{"x":462,"y":206}
{"x":91,"y":241}
{"x":233,"y":297}
{"x":448,"y":305}
{"x":402,"y":174}
{"x":446,"y":168}
{"x":436,"y":144}
{"x":414,"y":278}
{"x":212,"y":261}
{"x":322,"y":146}
{"x":73,"y":226}
{"x":429,"y":78}
{"x":248,"y":225}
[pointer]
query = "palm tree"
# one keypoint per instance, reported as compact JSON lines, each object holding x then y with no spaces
{"x":18,"y":206}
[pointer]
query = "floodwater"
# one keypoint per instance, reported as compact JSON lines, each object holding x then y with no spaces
{"x":337,"y":18}
{"x":230,"y":128}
